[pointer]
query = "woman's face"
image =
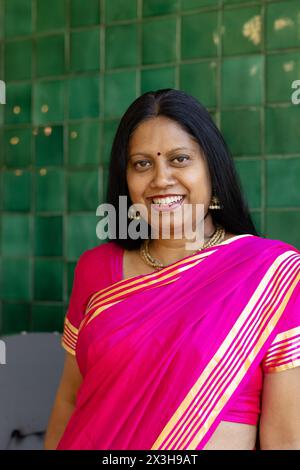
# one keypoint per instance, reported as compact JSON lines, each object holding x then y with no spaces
{"x":165,"y":161}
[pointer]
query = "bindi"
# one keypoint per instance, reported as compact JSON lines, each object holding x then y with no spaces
{"x":158,"y":153}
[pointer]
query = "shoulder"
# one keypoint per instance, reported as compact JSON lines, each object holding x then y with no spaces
{"x":272,"y":244}
{"x":98,"y":256}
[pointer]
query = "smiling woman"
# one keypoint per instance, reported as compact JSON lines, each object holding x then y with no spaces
{"x":168,"y":180}
{"x":173,"y":348}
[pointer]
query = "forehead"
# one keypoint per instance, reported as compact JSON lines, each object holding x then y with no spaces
{"x":160,"y":134}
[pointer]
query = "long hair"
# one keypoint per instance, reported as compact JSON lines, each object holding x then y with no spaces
{"x":196,"y":120}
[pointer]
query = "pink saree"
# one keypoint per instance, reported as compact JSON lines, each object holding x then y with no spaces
{"x":165,"y":356}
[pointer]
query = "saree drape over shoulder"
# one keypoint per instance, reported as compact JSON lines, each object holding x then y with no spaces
{"x":167,"y":356}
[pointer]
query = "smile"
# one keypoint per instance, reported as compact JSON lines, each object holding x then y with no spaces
{"x":167,"y":203}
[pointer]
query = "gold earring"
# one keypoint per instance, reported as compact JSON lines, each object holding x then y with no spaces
{"x":135,"y":215}
{"x":215,"y":203}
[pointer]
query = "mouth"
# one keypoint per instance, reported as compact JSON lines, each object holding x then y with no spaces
{"x":167,"y":203}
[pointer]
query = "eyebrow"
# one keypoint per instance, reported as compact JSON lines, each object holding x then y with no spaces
{"x":170,"y":151}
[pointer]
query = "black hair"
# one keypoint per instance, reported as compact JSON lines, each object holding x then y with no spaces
{"x":193,"y":117}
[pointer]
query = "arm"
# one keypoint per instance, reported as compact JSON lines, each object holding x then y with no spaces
{"x":280,"y":418}
{"x":64,"y":402}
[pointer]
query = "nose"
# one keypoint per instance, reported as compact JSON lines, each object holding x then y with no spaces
{"x":162,"y":176}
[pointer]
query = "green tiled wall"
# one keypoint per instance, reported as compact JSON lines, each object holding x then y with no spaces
{"x":71,"y":69}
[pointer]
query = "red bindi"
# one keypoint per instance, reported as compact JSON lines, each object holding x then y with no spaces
{"x":158,"y":153}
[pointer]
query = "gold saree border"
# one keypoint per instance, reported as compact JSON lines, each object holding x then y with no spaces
{"x":284,"y":352}
{"x":141,"y":280}
{"x":173,"y":430}
{"x":110,"y":296}
{"x":69,"y":337}
{"x":184,"y":263}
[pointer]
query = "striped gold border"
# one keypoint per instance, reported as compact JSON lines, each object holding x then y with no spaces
{"x":108,"y":297}
{"x":285,"y":335}
{"x":107,"y":305}
{"x":169,"y":432}
{"x":111,"y":295}
{"x":188,"y":261}
{"x":67,"y":348}
{"x":69,"y":337}
{"x":146,"y":279}
{"x":284,"y":352}
{"x":288,"y":365}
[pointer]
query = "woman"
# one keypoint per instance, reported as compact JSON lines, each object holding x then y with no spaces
{"x":179,"y":348}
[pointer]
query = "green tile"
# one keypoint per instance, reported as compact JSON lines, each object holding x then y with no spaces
{"x":244,"y":74}
{"x":286,"y":68}
{"x":84,"y":143}
{"x":17,"y":150}
{"x":200,"y":80}
{"x":50,"y":55}
{"x":18,"y":17}
{"x":282,"y":24}
{"x":15,"y":317}
{"x":70,"y":276}
{"x":159,"y":7}
{"x":47,"y":317}
{"x":116,"y":55}
{"x":105,"y":184}
{"x":18,"y":103}
{"x":48,"y":279}
{"x":16,"y":235}
{"x":81,"y":234}
{"x":231,"y":2}
{"x":116,"y":10}
{"x":1,"y":147}
{"x":49,"y":146}
{"x":100,"y":185}
{"x":242,"y":131}
{"x":1,"y":19}
{"x":199,"y":35}
{"x":282,"y":130}
{"x":283,"y":176}
{"x":48,"y":101}
{"x":84,"y":97}
{"x":83,"y":16}
{"x":85,"y":47}
{"x":17,"y":191}
{"x":120,"y":91}
{"x":109,"y":131}
{"x":83,"y":194}
{"x":242,"y":30}
{"x":284,"y":225}
{"x":156,"y":78}
{"x":159,"y":41}
{"x":16,"y":283}
{"x":1,"y":115}
{"x":256,"y":219}
{"x":48,"y":236}
{"x":18,"y":60}
{"x":250,"y":176}
{"x":50,"y":190}
{"x":193,"y":4}
{"x":45,"y":20}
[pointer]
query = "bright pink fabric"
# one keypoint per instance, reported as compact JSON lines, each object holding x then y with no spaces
{"x":140,"y":356}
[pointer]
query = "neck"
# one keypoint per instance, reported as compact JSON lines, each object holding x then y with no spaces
{"x":171,"y":250}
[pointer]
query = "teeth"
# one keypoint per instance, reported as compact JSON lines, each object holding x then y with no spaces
{"x":167,"y":200}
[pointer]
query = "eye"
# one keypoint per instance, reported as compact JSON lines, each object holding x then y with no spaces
{"x":181,"y":158}
{"x":141,"y":165}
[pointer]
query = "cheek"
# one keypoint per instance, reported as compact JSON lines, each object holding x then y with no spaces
{"x":197,"y":181}
{"x":135,"y":186}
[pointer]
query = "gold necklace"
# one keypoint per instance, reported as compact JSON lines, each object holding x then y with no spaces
{"x":217,"y":237}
